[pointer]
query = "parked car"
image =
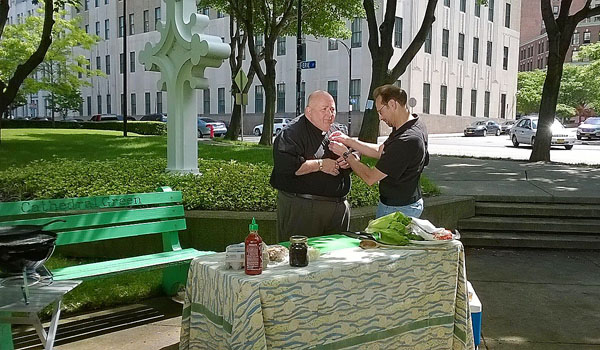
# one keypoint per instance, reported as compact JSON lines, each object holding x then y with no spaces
{"x":204,"y":130}
{"x":482,"y":128}
{"x":156,"y":117}
{"x":71,"y":120}
{"x":524,"y":132}
{"x":38,"y":118}
{"x":278,"y":125}
{"x":590,"y":128}
{"x":506,"y":126}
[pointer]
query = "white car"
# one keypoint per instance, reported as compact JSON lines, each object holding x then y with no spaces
{"x":278,"y":125}
{"x":525,"y":129}
{"x":590,"y":128}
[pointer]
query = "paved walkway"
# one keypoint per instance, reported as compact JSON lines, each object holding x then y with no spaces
{"x":532,"y":299}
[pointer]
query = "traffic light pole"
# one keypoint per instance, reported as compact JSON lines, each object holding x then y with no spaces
{"x":299,"y":58}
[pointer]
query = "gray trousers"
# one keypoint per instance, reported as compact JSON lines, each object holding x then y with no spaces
{"x":309,"y":217}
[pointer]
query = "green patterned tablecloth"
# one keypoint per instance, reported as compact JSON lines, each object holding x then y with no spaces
{"x":348,"y":299}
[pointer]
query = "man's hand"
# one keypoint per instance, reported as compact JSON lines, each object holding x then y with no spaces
{"x":342,"y":163}
{"x":330,"y":167}
{"x":337,"y":147}
{"x":340,"y":137}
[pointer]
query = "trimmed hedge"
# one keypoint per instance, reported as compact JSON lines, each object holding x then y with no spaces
{"x":137,"y":127}
{"x":224,"y":185}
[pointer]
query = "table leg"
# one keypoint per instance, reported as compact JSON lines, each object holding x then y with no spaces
{"x":39,"y":329}
{"x":6,"y":341}
{"x":53,"y":325}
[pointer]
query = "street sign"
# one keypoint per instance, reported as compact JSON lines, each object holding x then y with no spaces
{"x":241,"y":99}
{"x":412,"y":102}
{"x":241,"y":79}
{"x":308,"y":64}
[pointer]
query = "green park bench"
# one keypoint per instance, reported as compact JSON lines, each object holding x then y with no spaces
{"x":89,"y":219}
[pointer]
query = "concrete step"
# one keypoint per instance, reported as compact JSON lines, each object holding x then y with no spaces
{"x":531,"y":224}
{"x":538,"y":209}
{"x":542,"y":240}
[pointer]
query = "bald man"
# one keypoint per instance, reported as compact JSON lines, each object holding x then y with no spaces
{"x":312,"y":182}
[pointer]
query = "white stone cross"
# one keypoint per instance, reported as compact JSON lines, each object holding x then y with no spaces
{"x":182,"y":55}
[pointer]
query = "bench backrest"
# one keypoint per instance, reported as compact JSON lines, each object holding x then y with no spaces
{"x":89,"y":219}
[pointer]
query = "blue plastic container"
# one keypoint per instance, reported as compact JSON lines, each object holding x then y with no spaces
{"x":475,"y":308}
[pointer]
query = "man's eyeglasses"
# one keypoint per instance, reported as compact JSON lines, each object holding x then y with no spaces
{"x":380,"y":109}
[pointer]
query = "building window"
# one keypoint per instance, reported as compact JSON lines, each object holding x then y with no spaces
{"x":147,"y":102}
{"x":281,"y":98}
{"x":105,"y":2}
{"x":332,"y":44}
{"x":121,"y":63}
{"x":258,"y":44}
{"x":507,"y":16}
{"x":221,"y":100}
{"x":99,"y":98}
{"x":447,"y":3}
{"x":86,"y":7}
{"x":477,"y":8}
{"x":463,"y":5}
{"x":97,"y":28}
{"x":575,"y":40}
{"x":427,"y":43}
{"x":121,"y":26}
{"x":133,"y":105}
{"x":220,"y":14}
{"x":206,"y":11}
{"x":87,"y":29}
{"x":332,"y":89}
{"x":159,"y":102}
{"x":107,"y":63}
{"x":443,"y":99}
{"x":281,"y":46}
{"x":157,"y":17}
{"x":459,"y":101}
{"x":503,"y":106}
{"x":206,"y":102}
{"x":355,"y":94}
{"x":356,"y":27}
{"x":79,"y":74}
{"x":89,"y":104}
{"x":258,"y":99}
{"x":461,"y":46}
{"x":146,"y":21}
{"x":486,"y":105}
{"x":131,"y":26}
{"x":132,"y":61}
{"x":398,"y":83}
{"x":488,"y":58}
{"x":555,"y":10}
{"x":505,"y":59}
{"x":96,"y":3}
{"x":426,"y":97}
{"x":398,"y":32}
{"x":98,"y":64}
{"x":473,"y":103}
{"x":106,"y":29}
{"x":108,"y":104}
{"x":491,"y":10}
{"x":123,"y":110}
{"x":445,"y":40}
{"x":587,"y":36}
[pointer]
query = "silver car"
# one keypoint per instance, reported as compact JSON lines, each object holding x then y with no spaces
{"x":526,"y":128}
{"x":482,"y":128}
{"x":204,"y":125}
{"x":590,"y":128}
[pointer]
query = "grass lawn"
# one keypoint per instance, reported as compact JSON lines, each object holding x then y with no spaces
{"x":21,"y":146}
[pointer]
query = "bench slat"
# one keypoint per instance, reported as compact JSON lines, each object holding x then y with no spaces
{"x":88,"y":203}
{"x":98,"y":234}
{"x":127,"y":264}
{"x":103,"y":218}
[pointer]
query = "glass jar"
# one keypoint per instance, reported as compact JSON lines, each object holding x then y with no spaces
{"x":298,"y":251}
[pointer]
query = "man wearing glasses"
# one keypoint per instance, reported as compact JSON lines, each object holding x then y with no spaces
{"x":402,"y":156}
{"x":312,"y":181}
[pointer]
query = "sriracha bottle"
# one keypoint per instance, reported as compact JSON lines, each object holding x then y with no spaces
{"x":253,"y":251}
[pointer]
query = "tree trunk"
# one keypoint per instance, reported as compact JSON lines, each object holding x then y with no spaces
{"x":270,"y":97}
{"x":235,"y":125}
{"x":369,"y":130}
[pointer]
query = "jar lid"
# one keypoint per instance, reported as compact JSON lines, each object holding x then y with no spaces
{"x":298,"y":239}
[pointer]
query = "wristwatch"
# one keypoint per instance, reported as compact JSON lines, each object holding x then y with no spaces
{"x":320,"y":164}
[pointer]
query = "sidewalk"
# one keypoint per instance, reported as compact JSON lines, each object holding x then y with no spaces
{"x":532,"y":299}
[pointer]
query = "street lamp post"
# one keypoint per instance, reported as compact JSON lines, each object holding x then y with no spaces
{"x":349,"y":50}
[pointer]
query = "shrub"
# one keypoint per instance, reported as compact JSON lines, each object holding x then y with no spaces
{"x":224,"y":185}
{"x":137,"y":127}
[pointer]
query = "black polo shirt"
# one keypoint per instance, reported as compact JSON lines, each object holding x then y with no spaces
{"x":403,"y":159}
{"x":302,"y":141}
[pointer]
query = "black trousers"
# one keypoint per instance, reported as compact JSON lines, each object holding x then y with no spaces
{"x":309,"y":217}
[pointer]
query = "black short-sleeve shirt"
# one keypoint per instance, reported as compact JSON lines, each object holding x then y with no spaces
{"x":302,"y":141}
{"x":403,"y":159}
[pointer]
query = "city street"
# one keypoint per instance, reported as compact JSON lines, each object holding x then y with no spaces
{"x":584,"y":152}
